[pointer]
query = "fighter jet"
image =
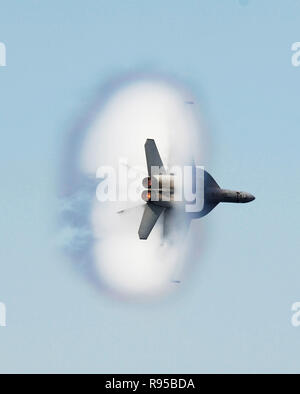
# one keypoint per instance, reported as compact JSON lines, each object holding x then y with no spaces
{"x":155,"y":191}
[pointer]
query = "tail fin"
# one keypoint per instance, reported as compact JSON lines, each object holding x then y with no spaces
{"x":209,"y":205}
{"x":209,"y":181}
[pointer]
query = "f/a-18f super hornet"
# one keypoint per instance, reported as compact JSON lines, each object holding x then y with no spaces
{"x":155,"y":190}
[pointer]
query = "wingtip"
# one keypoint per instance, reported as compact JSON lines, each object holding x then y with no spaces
{"x":149,"y":140}
{"x":142,"y":237}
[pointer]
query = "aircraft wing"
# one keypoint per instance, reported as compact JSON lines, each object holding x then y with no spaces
{"x":153,"y":158}
{"x":151,"y":214}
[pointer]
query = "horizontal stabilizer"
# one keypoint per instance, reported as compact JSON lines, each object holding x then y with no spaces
{"x":151,"y":214}
{"x":153,"y":158}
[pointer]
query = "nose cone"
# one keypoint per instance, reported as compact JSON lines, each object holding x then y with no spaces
{"x":251,"y":197}
{"x":247,"y":197}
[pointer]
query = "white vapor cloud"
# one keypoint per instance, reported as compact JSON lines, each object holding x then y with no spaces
{"x":143,"y":108}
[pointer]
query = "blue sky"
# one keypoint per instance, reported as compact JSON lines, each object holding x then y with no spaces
{"x":234,"y":313}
